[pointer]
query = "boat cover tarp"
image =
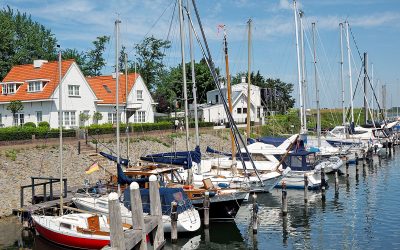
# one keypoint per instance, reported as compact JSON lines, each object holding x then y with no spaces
{"x":182,"y":158}
{"x":122,"y":161}
{"x":276,"y":141}
{"x":167,"y":195}
{"x":214,"y":151}
{"x":123,"y":179}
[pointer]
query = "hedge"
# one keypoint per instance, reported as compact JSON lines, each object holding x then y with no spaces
{"x":108,"y":128}
{"x":25,"y":133}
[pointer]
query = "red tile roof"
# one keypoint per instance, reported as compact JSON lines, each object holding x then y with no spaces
{"x":105,"y":87}
{"x":22,"y":73}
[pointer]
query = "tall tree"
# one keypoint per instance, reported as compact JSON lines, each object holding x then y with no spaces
{"x":79,"y":57}
{"x":150,"y":55}
{"x":15,"y":107}
{"x":94,"y":57}
{"x":23,"y":40}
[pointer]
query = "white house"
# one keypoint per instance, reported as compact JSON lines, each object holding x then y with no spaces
{"x":213,"y":110}
{"x":37,"y":87}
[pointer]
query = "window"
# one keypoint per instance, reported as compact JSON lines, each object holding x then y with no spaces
{"x":19,"y":119}
{"x":239,"y":110}
{"x":73,"y":90}
{"x":1,"y":121}
{"x":65,"y":225}
{"x":139,"y":94}
{"x":39,"y":116}
{"x":244,"y":110}
{"x":69,"y":118}
{"x":107,"y":88}
{"x":9,"y":88}
{"x":112,"y":117}
{"x":258,"y":112}
{"x":139,"y":117}
{"x":35,"y":86}
{"x":216,"y":98}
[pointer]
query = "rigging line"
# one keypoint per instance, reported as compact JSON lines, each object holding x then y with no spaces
{"x":355,"y":43}
{"x":233,"y":126}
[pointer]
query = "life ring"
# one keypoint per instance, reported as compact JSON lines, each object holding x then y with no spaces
{"x":188,"y":186}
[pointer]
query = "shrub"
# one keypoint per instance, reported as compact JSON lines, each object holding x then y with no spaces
{"x":44,"y":124}
{"x":25,"y":133}
{"x":30,"y":124}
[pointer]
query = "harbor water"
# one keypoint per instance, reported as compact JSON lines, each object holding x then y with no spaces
{"x":363,"y":215}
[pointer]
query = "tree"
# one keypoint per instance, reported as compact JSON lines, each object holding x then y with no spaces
{"x":23,"y":40}
{"x":94,"y":57}
{"x":150,"y":55}
{"x":15,"y":107}
{"x":97,"y":116}
{"x":79,"y":57}
{"x":171,"y":88}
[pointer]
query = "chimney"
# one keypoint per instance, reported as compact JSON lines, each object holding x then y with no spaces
{"x":243,"y":79}
{"x":114,"y":75}
{"x":39,"y":63}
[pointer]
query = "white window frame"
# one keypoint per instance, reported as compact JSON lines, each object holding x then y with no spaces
{"x":19,"y":119}
{"x":139,"y":94}
{"x":69,"y":118}
{"x":35,"y":86}
{"x":73,"y":90}
{"x":112,"y":117}
{"x":139,"y":117}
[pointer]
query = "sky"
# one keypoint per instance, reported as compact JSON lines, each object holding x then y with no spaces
{"x":374,"y":28}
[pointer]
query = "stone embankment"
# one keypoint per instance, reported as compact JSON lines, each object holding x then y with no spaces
{"x":17,"y":165}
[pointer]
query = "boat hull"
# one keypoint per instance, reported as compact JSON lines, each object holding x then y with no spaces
{"x":69,"y":240}
{"x":295,"y":180}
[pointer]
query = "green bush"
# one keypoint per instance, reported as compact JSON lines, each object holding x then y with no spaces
{"x":44,"y":124}
{"x":30,"y":124}
{"x":25,"y":133}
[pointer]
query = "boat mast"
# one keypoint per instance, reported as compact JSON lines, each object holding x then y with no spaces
{"x":189,"y":179}
{"x":60,"y":122}
{"x":248,"y":80}
{"x":298,"y":69}
{"x":372,"y":92}
{"x":365,"y":87}
{"x":229,"y":90}
{"x":350,"y":78}
{"x":341,"y":73}
{"x":117,"y":22}
{"x":316,"y":89}
{"x":303,"y":69}
{"x":126,"y":105}
{"x":194,"y":88}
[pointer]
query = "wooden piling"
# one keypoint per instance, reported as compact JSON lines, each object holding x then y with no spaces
{"x":284,"y":200}
{"x":155,"y":210}
{"x":306,"y":188}
{"x":137,"y":213}
{"x":255,"y":214}
{"x":206,"y":208}
{"x":347,"y":169}
{"x":117,"y":240}
{"x":79,"y":147}
{"x":336,"y":182}
{"x":323,"y":184}
{"x":174,"y":222}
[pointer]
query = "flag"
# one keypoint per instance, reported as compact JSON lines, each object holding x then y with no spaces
{"x":94,"y":167}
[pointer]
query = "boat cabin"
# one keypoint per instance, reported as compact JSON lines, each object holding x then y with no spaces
{"x":300,"y":160}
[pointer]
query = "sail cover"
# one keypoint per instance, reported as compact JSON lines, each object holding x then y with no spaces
{"x":182,"y":158}
{"x":214,"y":151}
{"x":122,"y":161}
{"x":123,"y":179}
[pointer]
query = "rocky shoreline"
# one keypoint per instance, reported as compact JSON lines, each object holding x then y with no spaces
{"x":17,"y":165}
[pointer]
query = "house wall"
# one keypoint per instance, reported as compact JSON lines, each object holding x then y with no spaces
{"x":48,"y":109}
{"x":145,"y":104}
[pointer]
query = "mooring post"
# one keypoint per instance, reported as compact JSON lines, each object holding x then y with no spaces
{"x":96,"y":147}
{"x":117,"y":240}
{"x":79,"y":147}
{"x":284,"y":199}
{"x":323,"y":184}
{"x":137,"y":213}
{"x":255,"y":214}
{"x":155,"y":210}
{"x":356,"y":158}
{"x":44,"y":192}
{"x":206,"y":207}
{"x":347,"y":168}
{"x":21,"y":197}
{"x":174,"y":222}
{"x":65,"y":188}
{"x":33,"y":189}
{"x":306,"y":188}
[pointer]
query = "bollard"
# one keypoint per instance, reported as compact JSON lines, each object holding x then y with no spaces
{"x":347,"y":169}
{"x":305,"y":188}
{"x":79,"y":147}
{"x":255,"y":214}
{"x":284,"y":199}
{"x":206,"y":207}
{"x":137,"y":212}
{"x":117,"y":240}
{"x":356,"y":159}
{"x":174,"y":222}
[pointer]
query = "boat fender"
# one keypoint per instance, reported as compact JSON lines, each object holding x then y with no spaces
{"x":223,"y":185}
{"x":188,"y":186}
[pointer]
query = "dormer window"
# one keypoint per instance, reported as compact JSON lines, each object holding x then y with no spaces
{"x":73,"y":90}
{"x":35,"y":86}
{"x":10,"y":88}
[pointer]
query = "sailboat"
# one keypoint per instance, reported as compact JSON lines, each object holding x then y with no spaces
{"x":84,"y":230}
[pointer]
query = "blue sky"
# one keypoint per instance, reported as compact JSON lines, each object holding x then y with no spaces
{"x":375,"y":25}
